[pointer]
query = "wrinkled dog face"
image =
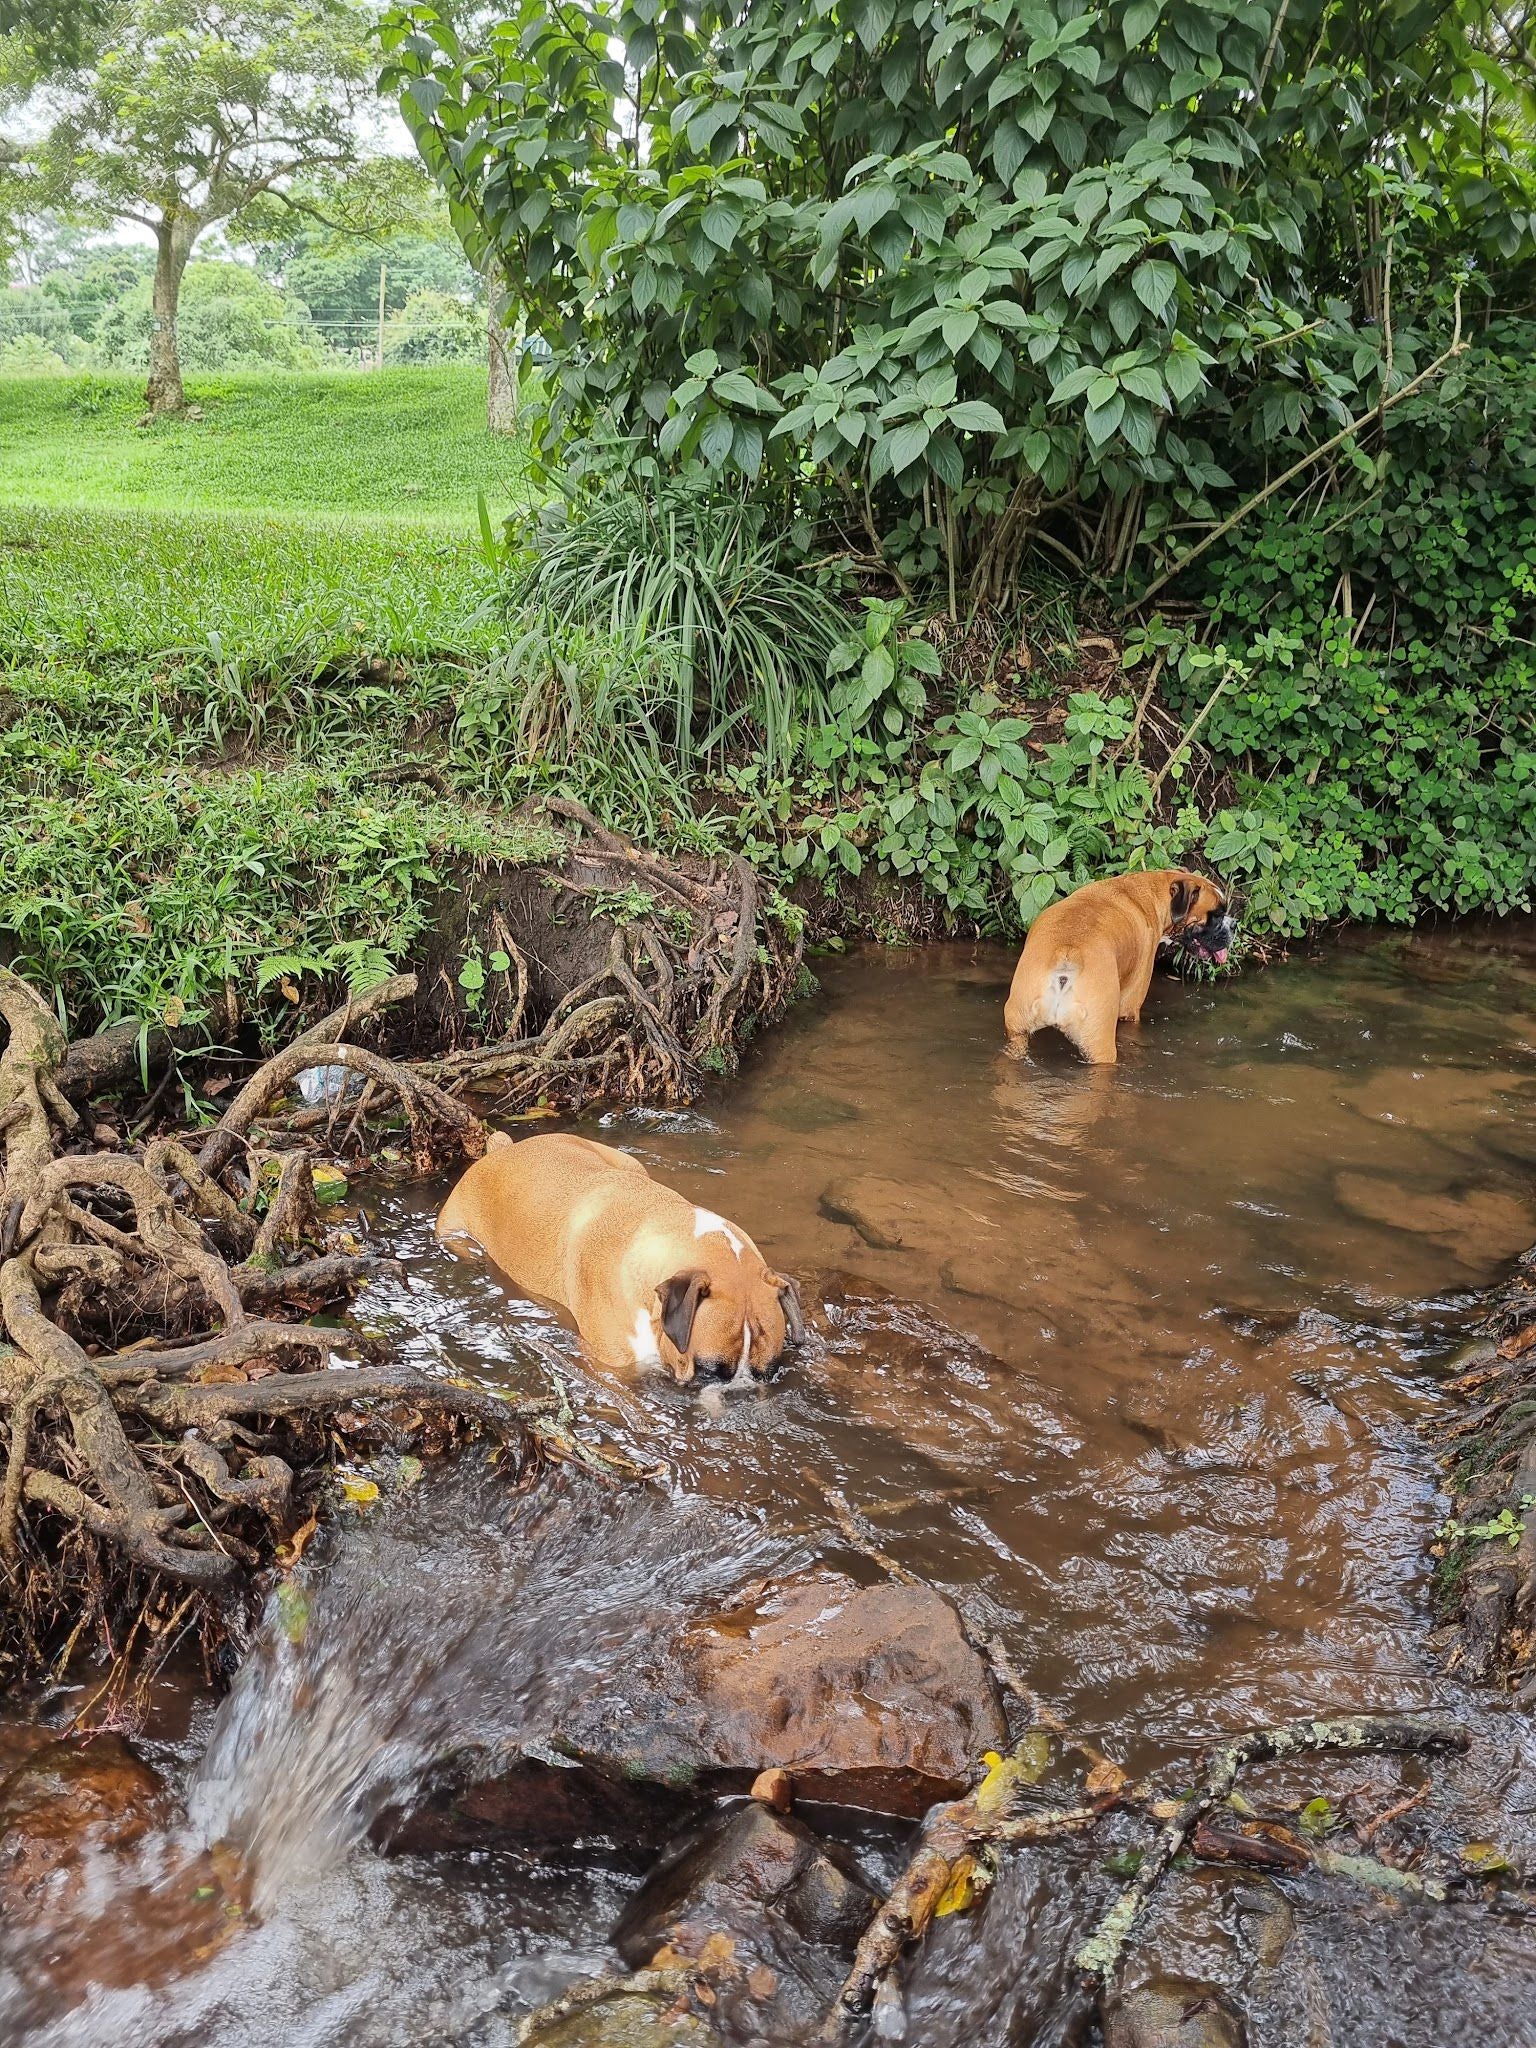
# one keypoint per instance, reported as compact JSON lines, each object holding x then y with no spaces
{"x":1200,"y":919}
{"x":714,"y":1333}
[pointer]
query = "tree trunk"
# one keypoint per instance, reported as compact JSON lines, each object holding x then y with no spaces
{"x":501,"y":357}
{"x":174,"y":238}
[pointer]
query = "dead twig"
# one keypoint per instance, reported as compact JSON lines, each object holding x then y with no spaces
{"x":1099,"y":1956}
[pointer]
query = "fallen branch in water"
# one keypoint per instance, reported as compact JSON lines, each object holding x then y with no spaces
{"x":1100,"y":1955}
{"x":948,"y":1869}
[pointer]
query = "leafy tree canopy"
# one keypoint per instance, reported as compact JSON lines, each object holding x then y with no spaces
{"x":974,"y":275}
{"x":190,"y":111}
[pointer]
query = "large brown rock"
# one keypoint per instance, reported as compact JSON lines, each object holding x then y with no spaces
{"x":482,"y":1801}
{"x":97,"y":1871}
{"x":768,"y":1912}
{"x":868,"y":1696}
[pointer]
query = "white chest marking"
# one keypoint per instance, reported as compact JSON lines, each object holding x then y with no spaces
{"x":643,"y":1338}
{"x":706,"y":1223}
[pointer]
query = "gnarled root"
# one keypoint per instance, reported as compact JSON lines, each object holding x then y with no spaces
{"x":691,"y":960}
{"x":181,"y":1455}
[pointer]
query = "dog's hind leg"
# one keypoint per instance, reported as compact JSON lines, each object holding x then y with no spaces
{"x":1093,"y":1037}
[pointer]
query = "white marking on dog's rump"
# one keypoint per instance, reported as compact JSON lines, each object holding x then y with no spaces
{"x":643,"y":1338}
{"x":1058,"y":992}
{"x":706,"y":1223}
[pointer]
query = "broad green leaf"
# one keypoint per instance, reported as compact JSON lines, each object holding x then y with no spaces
{"x":976,"y":416}
{"x":715,"y":438}
{"x":1154,"y":283}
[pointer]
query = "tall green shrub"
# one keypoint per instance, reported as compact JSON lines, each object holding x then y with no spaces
{"x":970,"y":276}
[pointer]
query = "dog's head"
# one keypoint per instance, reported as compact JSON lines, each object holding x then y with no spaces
{"x":1199,"y":916}
{"x":719,"y":1325}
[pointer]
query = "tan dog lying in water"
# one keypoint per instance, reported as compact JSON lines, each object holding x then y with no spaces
{"x":648,"y":1278}
{"x":1088,"y":960}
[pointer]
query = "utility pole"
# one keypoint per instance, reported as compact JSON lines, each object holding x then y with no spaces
{"x":383,"y":273}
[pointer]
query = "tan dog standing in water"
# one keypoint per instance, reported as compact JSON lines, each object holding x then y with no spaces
{"x":648,"y":1278}
{"x":1087,"y":962}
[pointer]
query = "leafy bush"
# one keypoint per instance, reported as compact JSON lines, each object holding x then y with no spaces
{"x":1381,"y":718}
{"x":964,"y":280}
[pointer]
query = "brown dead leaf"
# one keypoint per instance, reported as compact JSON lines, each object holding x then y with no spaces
{"x":289,"y":1553}
{"x":774,"y":1788}
{"x":1521,"y":1342}
{"x":1106,"y":1780}
{"x":222,"y":1373}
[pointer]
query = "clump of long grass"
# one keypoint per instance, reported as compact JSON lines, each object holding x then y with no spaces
{"x":581,"y":710}
{"x":745,"y":639}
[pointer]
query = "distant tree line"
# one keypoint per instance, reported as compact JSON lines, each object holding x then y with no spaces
{"x":307,"y":300}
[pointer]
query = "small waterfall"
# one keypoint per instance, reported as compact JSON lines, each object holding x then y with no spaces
{"x":453,"y":1616}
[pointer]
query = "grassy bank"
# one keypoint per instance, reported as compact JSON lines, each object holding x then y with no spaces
{"x":246,"y":749}
{"x":364,"y":445}
{"x":204,"y":713}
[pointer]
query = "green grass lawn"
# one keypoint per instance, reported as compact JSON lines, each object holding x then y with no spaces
{"x":219,"y":639}
{"x":361,"y":445}
{"x":260,"y":592}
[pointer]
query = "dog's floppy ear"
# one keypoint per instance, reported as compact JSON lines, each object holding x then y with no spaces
{"x":1181,"y":896}
{"x":680,"y":1297}
{"x":794,"y":1315}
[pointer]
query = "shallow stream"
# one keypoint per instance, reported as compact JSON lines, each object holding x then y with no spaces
{"x":1135,"y":1363}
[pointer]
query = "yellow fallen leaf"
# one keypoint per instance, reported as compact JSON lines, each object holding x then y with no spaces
{"x":531,"y":1116}
{"x":330,"y":1184}
{"x":960,"y":1891}
{"x":1483,"y":1859}
{"x":1007,"y":1774}
{"x":357,"y":1489}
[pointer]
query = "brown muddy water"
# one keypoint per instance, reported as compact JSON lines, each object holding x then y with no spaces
{"x":1135,"y":1364}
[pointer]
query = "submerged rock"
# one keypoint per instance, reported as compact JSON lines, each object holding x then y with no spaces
{"x":886,"y":1213}
{"x":768,"y":1910}
{"x":1481,"y":1226}
{"x":100,"y":1883}
{"x":1171,"y":2012}
{"x":621,"y":2016}
{"x":868,"y":1696}
{"x":66,"y":1802}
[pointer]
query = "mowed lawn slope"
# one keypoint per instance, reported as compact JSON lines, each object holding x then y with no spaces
{"x":363,"y":444}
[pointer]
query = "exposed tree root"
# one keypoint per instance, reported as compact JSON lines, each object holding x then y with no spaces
{"x":674,"y":961}
{"x":157,"y":1408}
